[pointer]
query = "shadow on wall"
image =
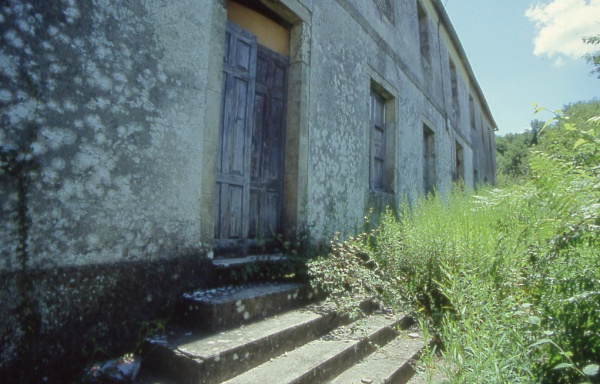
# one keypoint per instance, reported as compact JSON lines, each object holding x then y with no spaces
{"x":73,"y":315}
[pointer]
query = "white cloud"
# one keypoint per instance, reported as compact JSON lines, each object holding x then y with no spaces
{"x":561,"y":25}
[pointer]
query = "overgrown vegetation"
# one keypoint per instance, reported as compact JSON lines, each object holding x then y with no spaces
{"x":509,"y":278}
{"x":512,"y":154}
{"x":513,"y":149}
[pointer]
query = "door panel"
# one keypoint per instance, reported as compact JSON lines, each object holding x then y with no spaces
{"x":267,"y":149}
{"x":235,"y":125}
{"x":260,"y":106}
{"x":233,"y":164}
{"x":249,"y":190}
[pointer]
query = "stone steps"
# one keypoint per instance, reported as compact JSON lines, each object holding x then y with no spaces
{"x":323,"y":359}
{"x":305,"y":345}
{"x":227,"y":307}
{"x":392,"y":363}
{"x":190,"y":358}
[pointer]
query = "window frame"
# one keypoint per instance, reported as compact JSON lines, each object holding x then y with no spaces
{"x":459,"y":162}
{"x":472,"y":112}
{"x":375,"y":156}
{"x":454,"y":87}
{"x":428,"y":159}
{"x":390,"y":97}
{"x":424,"y":41}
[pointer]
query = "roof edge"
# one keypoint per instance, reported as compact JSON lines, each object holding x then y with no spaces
{"x":445,"y":19}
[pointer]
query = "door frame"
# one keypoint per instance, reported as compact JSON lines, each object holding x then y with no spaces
{"x":295,"y":190}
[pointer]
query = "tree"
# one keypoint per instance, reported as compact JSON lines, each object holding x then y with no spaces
{"x":536,"y":127}
{"x":560,"y":138}
{"x":512,"y":157}
{"x":513,"y":150}
{"x":593,"y":58}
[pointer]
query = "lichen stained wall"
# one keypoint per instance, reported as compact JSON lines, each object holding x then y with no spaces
{"x":337,"y":148}
{"x":351,"y":41}
{"x":104,"y":103}
{"x":114,"y":109}
{"x":108,"y":100}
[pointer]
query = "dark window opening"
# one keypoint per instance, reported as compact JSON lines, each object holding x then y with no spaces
{"x":428,"y":160}
{"x":454,"y":85}
{"x":423,"y":32}
{"x":378,"y":142}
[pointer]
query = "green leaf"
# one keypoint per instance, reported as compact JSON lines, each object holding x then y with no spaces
{"x":548,"y":333}
{"x":579,"y":143}
{"x":570,"y":127}
{"x":540,"y":342}
{"x":591,"y":370}
{"x":547,"y":123}
{"x":563,"y":366}
{"x":534,"y":320}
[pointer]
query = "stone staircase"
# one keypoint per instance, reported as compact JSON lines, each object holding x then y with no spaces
{"x":278,"y":333}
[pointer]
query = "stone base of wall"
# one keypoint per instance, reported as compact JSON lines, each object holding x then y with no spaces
{"x":53,"y":321}
{"x":379,"y":202}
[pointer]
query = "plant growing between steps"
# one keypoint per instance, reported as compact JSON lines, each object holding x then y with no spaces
{"x":297,"y":248}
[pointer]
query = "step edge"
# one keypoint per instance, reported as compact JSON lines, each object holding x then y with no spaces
{"x":380,"y":330}
{"x":241,"y":311}
{"x":311,"y":330}
{"x":396,"y":379}
{"x":382,"y":336}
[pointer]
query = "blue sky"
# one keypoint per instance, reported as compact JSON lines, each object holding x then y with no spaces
{"x":526,"y":51}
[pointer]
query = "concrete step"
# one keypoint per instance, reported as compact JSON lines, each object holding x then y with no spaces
{"x":392,"y":363}
{"x":324,"y":359}
{"x":231,"y":306}
{"x":241,"y":335}
{"x":200,"y":358}
{"x":436,"y":371}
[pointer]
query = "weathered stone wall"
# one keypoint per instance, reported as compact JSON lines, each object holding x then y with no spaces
{"x":54,"y":321}
{"x":112,"y":109}
{"x":107,"y":101}
{"x":110,"y":102}
{"x":353,"y":43}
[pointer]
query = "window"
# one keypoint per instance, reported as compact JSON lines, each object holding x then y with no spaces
{"x":428,"y":160}
{"x":378,"y":142}
{"x":380,"y":133}
{"x":482,"y":135}
{"x":454,"y":84}
{"x":423,"y":33}
{"x":460,"y":171}
{"x":472,"y":111}
{"x":386,"y":9}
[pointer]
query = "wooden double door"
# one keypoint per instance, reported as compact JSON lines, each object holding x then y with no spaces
{"x":250,"y":155}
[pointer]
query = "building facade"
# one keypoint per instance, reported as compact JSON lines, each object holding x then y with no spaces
{"x":142,"y":140}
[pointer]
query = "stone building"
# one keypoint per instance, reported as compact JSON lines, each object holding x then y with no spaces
{"x":143,"y":139}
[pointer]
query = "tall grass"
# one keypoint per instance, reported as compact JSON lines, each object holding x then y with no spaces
{"x":505,"y":277}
